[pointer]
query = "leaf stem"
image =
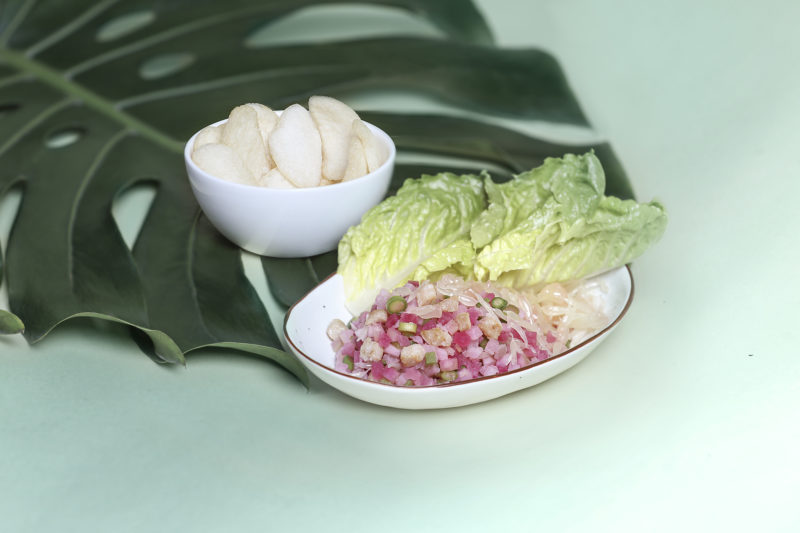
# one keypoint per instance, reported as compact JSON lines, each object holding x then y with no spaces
{"x":69,"y":27}
{"x":12,"y":26}
{"x":58,"y":81}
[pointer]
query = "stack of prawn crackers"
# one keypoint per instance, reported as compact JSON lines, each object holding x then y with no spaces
{"x":298,"y":148}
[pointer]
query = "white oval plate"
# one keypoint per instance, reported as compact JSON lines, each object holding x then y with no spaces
{"x":307,"y":320}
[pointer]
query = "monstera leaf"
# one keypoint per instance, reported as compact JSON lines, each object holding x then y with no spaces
{"x":97,"y":98}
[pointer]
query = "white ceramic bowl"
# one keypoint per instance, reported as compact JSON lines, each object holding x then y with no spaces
{"x":306,"y":323}
{"x":293,"y":222}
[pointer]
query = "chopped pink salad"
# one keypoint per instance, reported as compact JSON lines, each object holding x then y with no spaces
{"x":451,"y":330}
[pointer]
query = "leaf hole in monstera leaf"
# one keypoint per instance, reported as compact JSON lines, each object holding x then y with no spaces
{"x":65,"y":136}
{"x":124,"y":25}
{"x":9,"y":206}
{"x":338,"y":23}
{"x":251,"y":265}
{"x":130,"y":207}
{"x":6,"y":108}
{"x":165,"y":65}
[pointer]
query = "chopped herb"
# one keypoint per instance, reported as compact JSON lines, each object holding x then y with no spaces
{"x":348,"y":361}
{"x":396,"y":304}
{"x":407,"y":328}
{"x":499,"y":303}
{"x":448,"y":375}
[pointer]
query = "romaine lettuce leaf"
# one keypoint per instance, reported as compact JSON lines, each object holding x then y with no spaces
{"x":423,"y":228}
{"x":572,"y":179}
{"x":457,"y":258}
{"x":552,"y":223}
{"x":572,"y":230}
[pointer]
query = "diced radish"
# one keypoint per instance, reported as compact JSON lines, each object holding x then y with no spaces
{"x":384,"y":340}
{"x":398,"y":337}
{"x":374,"y":331}
{"x":431,"y":370}
{"x":475,"y":333}
{"x":491,"y":346}
{"x":489,"y":370}
{"x":528,"y":354}
{"x":391,"y":361}
{"x":410,"y":317}
{"x":362,"y":318}
{"x":426,"y":381}
{"x":391,"y":321}
{"x":461,"y":339}
{"x":474,"y":352}
{"x":448,"y":364}
{"x":391,"y":349}
{"x":377,"y":371}
{"x":381,"y":299}
{"x":474,"y":366}
{"x":391,"y":373}
{"x":501,"y":352}
{"x":413,"y":374}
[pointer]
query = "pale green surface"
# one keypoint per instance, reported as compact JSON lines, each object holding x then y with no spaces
{"x":669,"y":426}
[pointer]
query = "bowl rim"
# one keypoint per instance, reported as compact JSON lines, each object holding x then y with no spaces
{"x":342,"y":185}
{"x":482,"y":379}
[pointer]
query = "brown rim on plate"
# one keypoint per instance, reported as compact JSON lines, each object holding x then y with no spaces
{"x":456,"y":383}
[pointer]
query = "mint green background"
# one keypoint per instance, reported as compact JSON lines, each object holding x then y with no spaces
{"x":671,"y":425}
